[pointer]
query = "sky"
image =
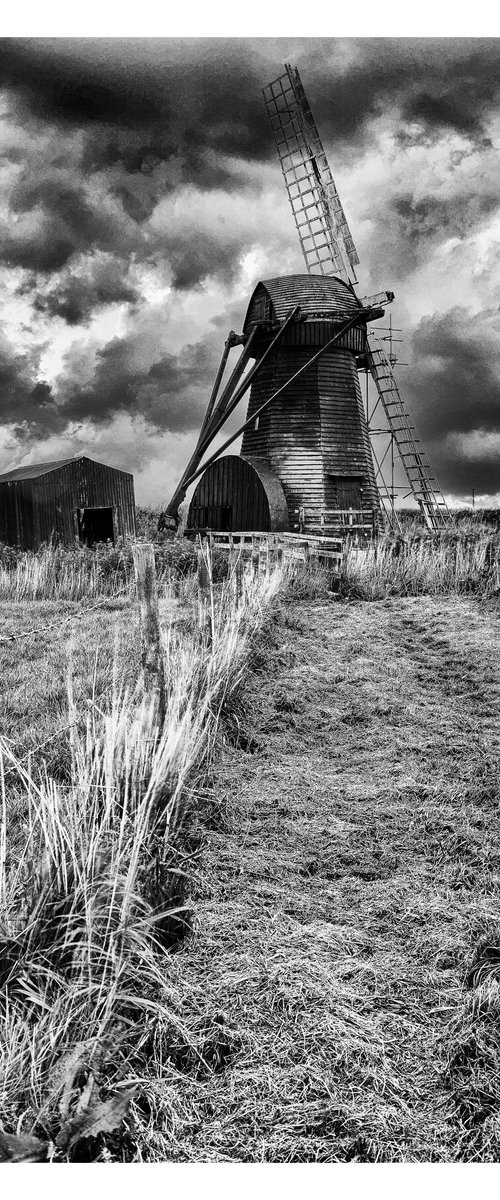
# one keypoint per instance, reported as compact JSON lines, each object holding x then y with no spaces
{"x":141,"y":200}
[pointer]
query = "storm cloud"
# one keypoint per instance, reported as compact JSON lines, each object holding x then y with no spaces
{"x":141,"y":199}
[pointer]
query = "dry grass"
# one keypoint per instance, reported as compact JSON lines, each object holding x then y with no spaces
{"x":330,"y":837}
{"x":345,"y":898}
{"x":92,"y":891}
{"x":65,"y":573}
{"x":452,"y":563}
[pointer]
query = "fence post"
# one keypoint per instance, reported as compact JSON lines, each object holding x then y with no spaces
{"x":153,"y":668}
{"x":263,"y":567}
{"x":232,"y":556}
{"x":204,"y":594}
{"x":239,"y":568}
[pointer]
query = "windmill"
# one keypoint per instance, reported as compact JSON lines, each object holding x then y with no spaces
{"x":328,"y":247}
{"x":306,"y":461}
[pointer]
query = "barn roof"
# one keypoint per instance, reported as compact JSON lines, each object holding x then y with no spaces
{"x":315,"y":294}
{"x":34,"y":469}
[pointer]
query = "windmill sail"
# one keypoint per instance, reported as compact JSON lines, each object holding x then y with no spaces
{"x":322,"y":227}
{"x":329,"y":249}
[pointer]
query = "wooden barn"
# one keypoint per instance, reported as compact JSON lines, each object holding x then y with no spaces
{"x":73,"y":500}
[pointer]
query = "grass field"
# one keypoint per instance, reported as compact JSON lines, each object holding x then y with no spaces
{"x":346,"y":960}
{"x":330,"y":989}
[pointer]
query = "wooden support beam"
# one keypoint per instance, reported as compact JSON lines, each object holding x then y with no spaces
{"x":226,"y":405}
{"x":359,"y":317}
{"x":231,"y":340}
{"x":212,"y":421}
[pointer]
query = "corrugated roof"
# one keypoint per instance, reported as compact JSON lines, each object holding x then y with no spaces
{"x":35,"y":469}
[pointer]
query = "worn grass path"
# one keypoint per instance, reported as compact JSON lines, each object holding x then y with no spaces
{"x":353,"y":872}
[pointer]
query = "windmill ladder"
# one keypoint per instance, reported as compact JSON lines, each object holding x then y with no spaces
{"x":420,"y":477}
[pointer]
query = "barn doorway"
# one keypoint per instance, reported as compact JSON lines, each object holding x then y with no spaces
{"x":95,"y":525}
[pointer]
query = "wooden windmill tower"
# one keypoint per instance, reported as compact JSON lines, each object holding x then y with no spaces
{"x":306,"y":458}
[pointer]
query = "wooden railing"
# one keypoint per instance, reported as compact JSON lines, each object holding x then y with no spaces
{"x":346,"y":522}
{"x":279,"y":547}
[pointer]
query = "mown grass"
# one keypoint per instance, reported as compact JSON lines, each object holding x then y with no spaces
{"x":344,"y":902}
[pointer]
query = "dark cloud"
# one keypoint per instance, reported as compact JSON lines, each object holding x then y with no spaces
{"x":164,"y":94}
{"x":117,"y":140}
{"x":57,"y":218}
{"x":420,"y":222}
{"x":453,"y":389}
{"x":145,"y":100}
{"x":78,"y":295}
{"x":26,"y":402}
{"x":435,"y":84}
{"x":169,"y":394}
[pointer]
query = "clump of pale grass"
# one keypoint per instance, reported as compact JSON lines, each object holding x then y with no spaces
{"x":91,"y":903}
{"x":446,"y":564}
{"x":57,"y":572}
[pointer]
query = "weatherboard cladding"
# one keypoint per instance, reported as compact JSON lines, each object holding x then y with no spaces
{"x":40,"y":503}
{"x":315,"y":430}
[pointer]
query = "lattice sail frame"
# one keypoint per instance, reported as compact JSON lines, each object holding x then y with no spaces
{"x":328,"y":249}
{"x":324,"y":234}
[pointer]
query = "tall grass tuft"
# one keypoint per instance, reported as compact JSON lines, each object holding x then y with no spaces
{"x":450,"y":563}
{"x":92,"y":901}
{"x":65,"y":573}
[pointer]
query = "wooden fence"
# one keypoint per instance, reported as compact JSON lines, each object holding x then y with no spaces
{"x":281,"y":547}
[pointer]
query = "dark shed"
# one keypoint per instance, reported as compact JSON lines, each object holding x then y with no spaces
{"x":73,"y":499}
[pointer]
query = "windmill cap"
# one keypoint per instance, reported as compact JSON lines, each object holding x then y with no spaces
{"x":320,"y":297}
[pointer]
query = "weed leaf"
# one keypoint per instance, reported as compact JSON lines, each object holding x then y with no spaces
{"x":102,"y":1117}
{"x":68,"y":1066}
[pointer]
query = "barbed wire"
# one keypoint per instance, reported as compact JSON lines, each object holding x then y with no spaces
{"x":14,"y":637}
{"x":20,"y":762}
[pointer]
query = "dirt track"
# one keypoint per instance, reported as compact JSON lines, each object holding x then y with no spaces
{"x":358,"y":866}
